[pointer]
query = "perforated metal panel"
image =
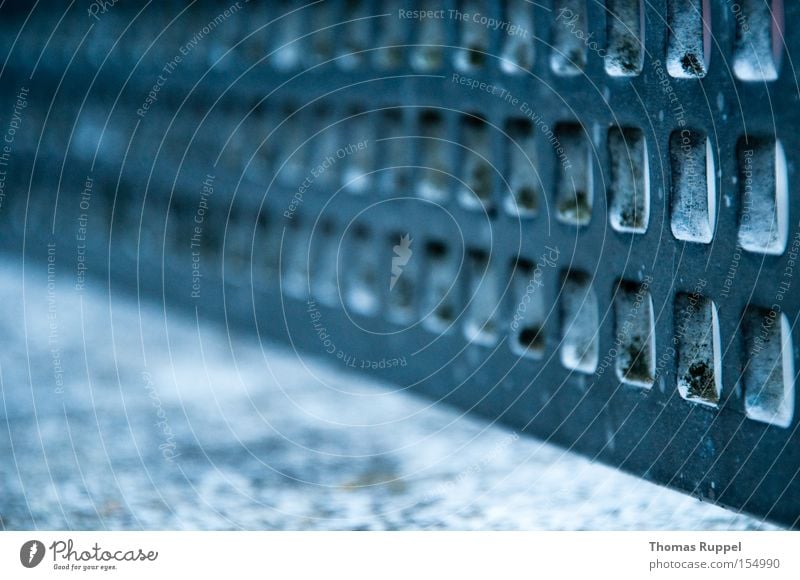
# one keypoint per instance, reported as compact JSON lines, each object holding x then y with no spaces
{"x":579,"y":218}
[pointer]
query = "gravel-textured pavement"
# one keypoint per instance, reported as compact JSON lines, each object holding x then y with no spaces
{"x":121,"y":417}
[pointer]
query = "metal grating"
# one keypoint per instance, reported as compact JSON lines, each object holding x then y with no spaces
{"x":576,"y":217}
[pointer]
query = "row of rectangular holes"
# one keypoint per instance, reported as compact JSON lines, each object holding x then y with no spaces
{"x":756,"y":53}
{"x":762,"y":180}
{"x":763,"y":191}
{"x":757,"y":49}
{"x":768,"y":375}
{"x":303,"y":34}
{"x":762,"y":176}
{"x":767,"y":378}
{"x":762,"y":172}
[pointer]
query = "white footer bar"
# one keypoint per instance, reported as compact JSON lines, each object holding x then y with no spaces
{"x":389,"y":555}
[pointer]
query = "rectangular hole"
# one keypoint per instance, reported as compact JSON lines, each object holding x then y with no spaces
{"x":287,"y":49}
{"x":763,"y":194}
{"x":236,"y":146}
{"x":403,"y":279}
{"x":518,"y":39}
{"x":635,"y":335}
{"x":294,"y":260}
{"x":758,"y":47}
{"x":689,"y":44}
{"x":100,"y":207}
{"x":698,"y":349}
{"x":253,"y":35}
{"x":394,"y":176}
{"x":238,"y":240}
{"x":629,"y":187}
{"x":768,"y":377}
{"x":321,"y":42}
{"x":428,"y":54}
{"x":195,"y":231}
{"x":530,"y":310}
{"x":291,"y":153}
{"x":360,"y":272}
{"x":326,"y":168}
{"x":390,"y":36}
{"x":324,"y":256}
{"x":125,"y":207}
{"x":226,"y":37}
{"x":568,"y":56}
{"x":579,"y":323}
{"x":480,"y":325}
{"x":625,"y":37}
{"x":356,"y":151}
{"x":267,"y":247}
{"x":574,"y":187}
{"x":474,"y":38}
{"x":212,"y":241}
{"x":476,"y":192}
{"x":523,"y":180}
{"x":693,"y":186}
{"x":355,"y":39}
{"x":14,"y":208}
{"x":179,"y":227}
{"x":150,"y":233}
{"x":261,"y":167}
{"x":433,"y":180}
{"x":440,"y":297}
